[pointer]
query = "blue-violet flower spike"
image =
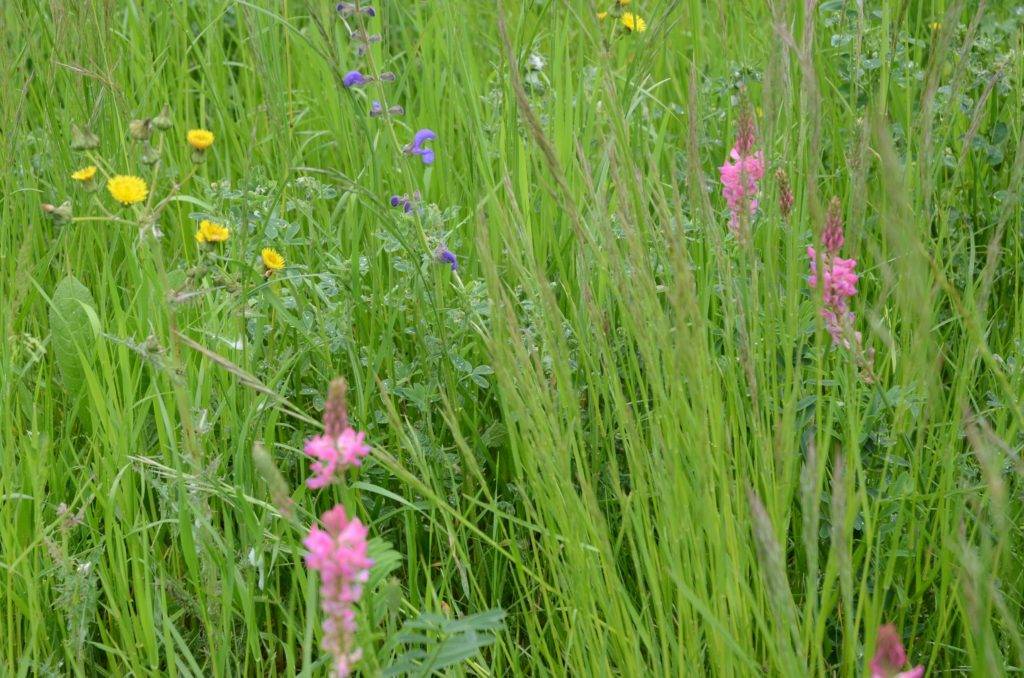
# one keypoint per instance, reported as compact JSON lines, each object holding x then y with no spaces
{"x":354,"y":79}
{"x":446,"y":256}
{"x":416,"y":147}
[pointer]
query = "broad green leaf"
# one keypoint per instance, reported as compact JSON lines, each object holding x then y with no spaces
{"x":73,"y":339}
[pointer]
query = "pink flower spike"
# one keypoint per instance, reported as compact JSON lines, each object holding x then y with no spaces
{"x":333,"y":455}
{"x":890,"y":656}
{"x":339,"y":553}
{"x":740,"y":175}
{"x":351,"y":447}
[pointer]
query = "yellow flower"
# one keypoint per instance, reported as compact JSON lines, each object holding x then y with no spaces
{"x":211,"y":232}
{"x":624,"y":2}
{"x":633,"y":22}
{"x":935,"y":25}
{"x":200,"y":139}
{"x":272,"y":260}
{"x":602,"y":15}
{"x":127,"y":190}
{"x":85,"y":173}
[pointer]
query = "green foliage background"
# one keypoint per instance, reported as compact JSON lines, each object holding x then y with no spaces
{"x":615,"y":422}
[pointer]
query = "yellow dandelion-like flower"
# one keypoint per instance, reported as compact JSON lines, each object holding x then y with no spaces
{"x":127,"y":190}
{"x":84,"y":174}
{"x":935,"y":25}
{"x":633,"y":22}
{"x":200,"y":139}
{"x":602,"y":15}
{"x":211,"y":232}
{"x":272,"y":260}
{"x":623,"y":3}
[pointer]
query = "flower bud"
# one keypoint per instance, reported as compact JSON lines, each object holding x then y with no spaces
{"x":163,"y":121}
{"x":786,"y":199}
{"x":388,"y":76}
{"x":335,"y":409}
{"x":396,"y":110}
{"x":82,"y":139}
{"x":140,"y":130}
{"x":149,"y":154}
{"x":60,"y":214}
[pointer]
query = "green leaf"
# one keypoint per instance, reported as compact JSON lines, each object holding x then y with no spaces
{"x":434,"y":642}
{"x":73,"y":339}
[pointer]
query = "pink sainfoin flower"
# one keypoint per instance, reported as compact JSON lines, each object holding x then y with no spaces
{"x":833,"y":237}
{"x":838,"y":281}
{"x":339,"y":553}
{"x":740,"y":174}
{"x":340,"y":446}
{"x":890,"y":656}
{"x":333,"y":455}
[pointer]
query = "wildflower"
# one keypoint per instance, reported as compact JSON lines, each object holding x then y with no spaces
{"x":935,"y":25}
{"x":405,"y":202}
{"x":416,"y":147}
{"x":84,"y":174}
{"x":633,"y":22}
{"x":740,"y":175}
{"x":347,"y":8}
{"x":272,"y":260}
{"x":210,"y":232}
{"x":832,"y":237}
{"x":446,"y":256}
{"x":838,"y":281}
{"x":623,"y":3}
{"x":840,"y":277}
{"x":890,"y":656}
{"x":355,"y":79}
{"x":127,"y":190}
{"x":200,"y":139}
{"x":339,"y":553}
{"x":376,"y":109}
{"x":388,"y":76}
{"x":333,"y":454}
{"x":602,"y":16}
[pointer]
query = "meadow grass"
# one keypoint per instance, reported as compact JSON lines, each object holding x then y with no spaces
{"x":616,"y":422}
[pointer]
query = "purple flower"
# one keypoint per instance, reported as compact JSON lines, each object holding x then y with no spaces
{"x":347,"y":8}
{"x":416,"y":147}
{"x":446,"y":256}
{"x":404,"y":202}
{"x":355,"y":79}
{"x":376,"y":109}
